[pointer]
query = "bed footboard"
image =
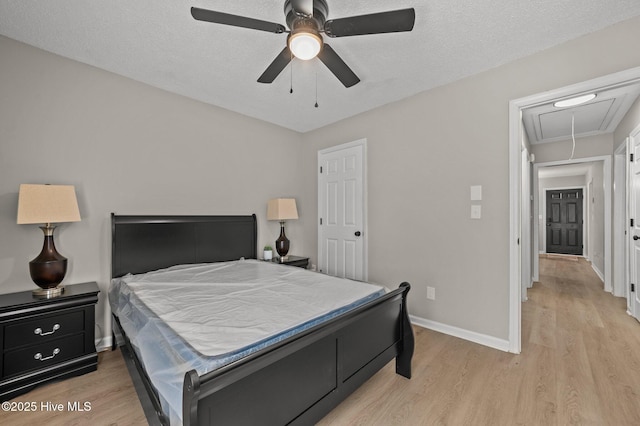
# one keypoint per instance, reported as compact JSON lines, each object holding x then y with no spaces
{"x":403,"y":360}
{"x":301,"y":379}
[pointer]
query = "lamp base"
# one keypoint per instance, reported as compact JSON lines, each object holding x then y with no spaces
{"x":49,"y":268}
{"x":47,"y":293}
{"x":282,"y":243}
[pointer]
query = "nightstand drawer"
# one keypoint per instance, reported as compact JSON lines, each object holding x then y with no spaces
{"x":291,"y":260}
{"x":300,"y":263}
{"x":43,"y":329}
{"x":46,"y":339}
{"x":43,"y":355}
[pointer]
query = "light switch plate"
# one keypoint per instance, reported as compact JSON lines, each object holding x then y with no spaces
{"x":476,"y":211}
{"x":476,"y":192}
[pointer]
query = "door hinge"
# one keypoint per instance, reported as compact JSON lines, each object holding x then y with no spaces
{"x":320,"y":221}
{"x":633,"y":287}
{"x":632,"y":223}
{"x":631,"y":157}
{"x":320,"y":169}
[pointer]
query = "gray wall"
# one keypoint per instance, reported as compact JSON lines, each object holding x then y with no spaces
{"x":424,"y":154}
{"x":596,"y":208}
{"x":591,"y":146}
{"x":130,"y":149}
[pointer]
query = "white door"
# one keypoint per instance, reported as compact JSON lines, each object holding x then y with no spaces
{"x":525,"y":226}
{"x":633,"y":297}
{"x":620,"y":259}
{"x":341,"y":210}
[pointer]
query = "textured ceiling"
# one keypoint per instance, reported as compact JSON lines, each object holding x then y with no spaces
{"x":158,"y":42}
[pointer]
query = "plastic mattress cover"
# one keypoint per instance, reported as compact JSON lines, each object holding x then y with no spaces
{"x":205,"y":316}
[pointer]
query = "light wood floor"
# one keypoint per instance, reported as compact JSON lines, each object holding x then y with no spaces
{"x":580,"y":364}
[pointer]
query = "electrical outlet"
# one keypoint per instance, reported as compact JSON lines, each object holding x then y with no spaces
{"x":431,"y":293}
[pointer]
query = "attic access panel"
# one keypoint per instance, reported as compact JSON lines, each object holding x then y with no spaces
{"x":590,"y":118}
{"x":546,"y":123}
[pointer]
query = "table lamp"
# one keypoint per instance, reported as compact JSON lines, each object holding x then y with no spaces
{"x":282,"y":209}
{"x":48,"y":205}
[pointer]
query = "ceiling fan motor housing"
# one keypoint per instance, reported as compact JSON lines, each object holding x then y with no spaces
{"x":320,"y":12}
{"x":305,"y":25}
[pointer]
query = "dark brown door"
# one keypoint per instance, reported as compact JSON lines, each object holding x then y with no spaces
{"x":564,"y":221}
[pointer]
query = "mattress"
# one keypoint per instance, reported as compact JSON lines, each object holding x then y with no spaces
{"x":205,"y":316}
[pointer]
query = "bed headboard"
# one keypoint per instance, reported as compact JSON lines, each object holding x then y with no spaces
{"x":145,"y":243}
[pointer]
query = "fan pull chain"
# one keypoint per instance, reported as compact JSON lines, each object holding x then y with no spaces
{"x":316,"y":90}
{"x":291,"y":69}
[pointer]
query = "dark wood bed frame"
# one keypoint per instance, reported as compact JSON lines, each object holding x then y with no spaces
{"x":296,"y":381}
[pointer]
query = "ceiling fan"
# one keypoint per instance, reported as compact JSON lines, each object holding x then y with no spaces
{"x":307,"y":21}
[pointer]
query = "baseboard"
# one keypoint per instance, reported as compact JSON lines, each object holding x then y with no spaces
{"x":597,"y":271}
{"x":472,"y":336}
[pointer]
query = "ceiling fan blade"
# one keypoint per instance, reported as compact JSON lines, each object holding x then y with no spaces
{"x":375,"y":23}
{"x":336,"y":65}
{"x":276,"y":67}
{"x":304,"y":7}
{"x":235,"y":21}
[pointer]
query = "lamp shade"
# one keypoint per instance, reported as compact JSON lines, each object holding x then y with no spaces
{"x":47,"y":204}
{"x":282,"y":209}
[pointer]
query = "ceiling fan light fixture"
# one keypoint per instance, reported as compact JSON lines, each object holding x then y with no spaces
{"x":305,"y":44}
{"x":578,"y":100}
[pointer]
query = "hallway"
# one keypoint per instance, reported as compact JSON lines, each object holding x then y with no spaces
{"x":588,"y":347}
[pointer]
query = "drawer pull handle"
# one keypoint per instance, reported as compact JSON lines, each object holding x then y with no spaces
{"x":38,"y":356}
{"x":39,"y":330}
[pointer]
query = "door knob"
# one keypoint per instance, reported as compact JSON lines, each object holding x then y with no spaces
{"x":358,"y":233}
{"x":635,"y":238}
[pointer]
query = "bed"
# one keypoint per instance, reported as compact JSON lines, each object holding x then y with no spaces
{"x":296,"y":379}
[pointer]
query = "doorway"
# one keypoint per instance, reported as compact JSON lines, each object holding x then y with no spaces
{"x":342,"y":233}
{"x":515,"y":190}
{"x":570,"y":174}
{"x":620,"y":221}
{"x":564,"y":223}
{"x":633,"y":144}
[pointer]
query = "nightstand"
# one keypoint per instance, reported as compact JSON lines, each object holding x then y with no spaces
{"x":301,"y":262}
{"x":46,"y":339}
